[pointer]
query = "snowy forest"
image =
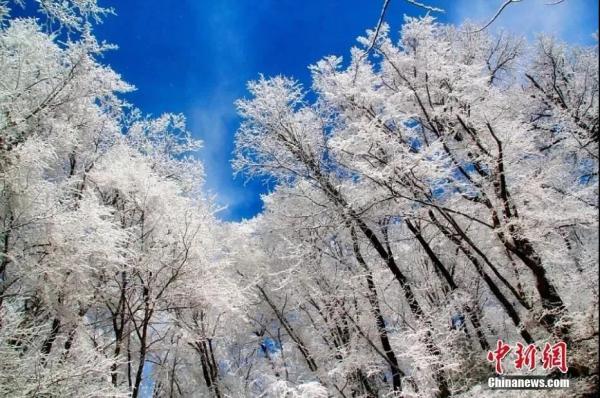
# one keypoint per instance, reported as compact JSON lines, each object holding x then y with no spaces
{"x":432,"y":194}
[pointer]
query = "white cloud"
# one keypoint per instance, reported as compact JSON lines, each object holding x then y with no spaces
{"x":210,"y":123}
{"x":210,"y":119}
{"x":572,"y":20}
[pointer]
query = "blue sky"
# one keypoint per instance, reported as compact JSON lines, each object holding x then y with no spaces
{"x":195,"y":57}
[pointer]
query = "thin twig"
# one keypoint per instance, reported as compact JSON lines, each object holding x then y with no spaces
{"x":386,"y":3}
{"x":425,"y":6}
{"x":500,"y":10}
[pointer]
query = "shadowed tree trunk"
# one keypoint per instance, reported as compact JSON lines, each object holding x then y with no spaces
{"x":508,"y":307}
{"x":442,"y":270}
{"x":374,"y":301}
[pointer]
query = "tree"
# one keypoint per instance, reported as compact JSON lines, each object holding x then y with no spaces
{"x":448,"y":141}
{"x":408,"y":229}
{"x":106,"y":234}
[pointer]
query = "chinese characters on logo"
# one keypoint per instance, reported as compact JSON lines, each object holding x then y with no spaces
{"x":553,"y":356}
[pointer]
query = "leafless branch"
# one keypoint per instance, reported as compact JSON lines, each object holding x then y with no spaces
{"x":425,"y":6}
{"x":496,"y":15}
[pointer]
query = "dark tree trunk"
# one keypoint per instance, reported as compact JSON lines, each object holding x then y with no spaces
{"x":209,"y":366}
{"x":551,"y":301}
{"x":290,"y":331}
{"x":374,"y":301}
{"x":143,"y":336}
{"x":49,"y":342}
{"x":442,"y":270}
{"x":506,"y":304}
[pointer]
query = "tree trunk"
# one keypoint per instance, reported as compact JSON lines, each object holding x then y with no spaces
{"x":442,"y":270}
{"x":508,"y":307}
{"x":374,"y":301}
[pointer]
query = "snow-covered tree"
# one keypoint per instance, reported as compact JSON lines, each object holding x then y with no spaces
{"x":431,"y":195}
{"x":433,"y":162}
{"x":107,"y":239}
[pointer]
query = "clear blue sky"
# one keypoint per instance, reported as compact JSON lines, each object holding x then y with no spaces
{"x":195,"y":57}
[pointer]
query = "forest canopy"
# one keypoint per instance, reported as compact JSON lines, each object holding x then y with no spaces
{"x":433,"y":194}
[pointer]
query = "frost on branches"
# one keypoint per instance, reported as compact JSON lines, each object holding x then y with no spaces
{"x":111,"y":274}
{"x":438,"y":194}
{"x":433,"y":195}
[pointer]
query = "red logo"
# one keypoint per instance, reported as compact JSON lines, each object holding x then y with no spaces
{"x":525,"y":357}
{"x":498,"y":355}
{"x":553,"y":356}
